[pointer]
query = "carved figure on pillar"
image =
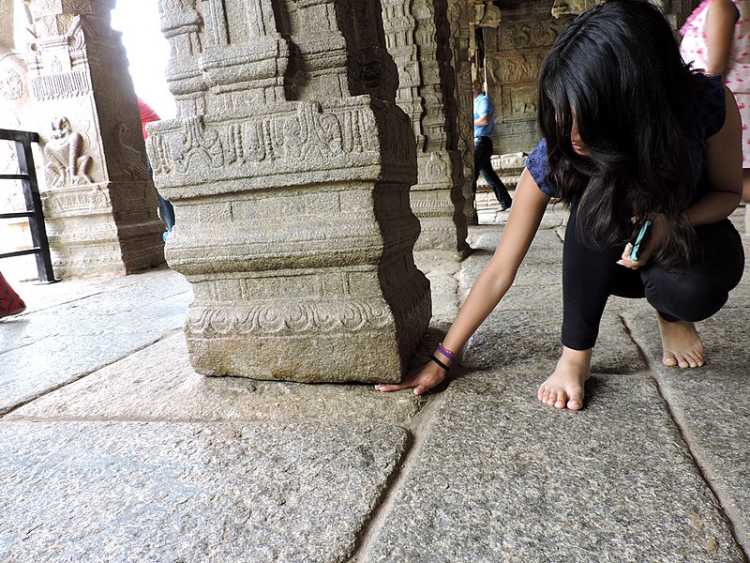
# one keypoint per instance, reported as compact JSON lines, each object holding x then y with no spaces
{"x":99,"y":204}
{"x":289,"y":167}
{"x":66,"y":162}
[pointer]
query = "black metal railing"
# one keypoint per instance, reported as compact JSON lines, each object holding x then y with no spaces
{"x":35,"y":215}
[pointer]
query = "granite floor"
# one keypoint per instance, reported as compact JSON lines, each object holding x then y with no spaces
{"x":113,"y":450}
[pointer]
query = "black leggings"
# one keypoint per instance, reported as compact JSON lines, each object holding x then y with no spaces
{"x":692,"y":294}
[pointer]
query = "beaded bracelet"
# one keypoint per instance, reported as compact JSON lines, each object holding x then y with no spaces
{"x":438,"y":362}
{"x":447,"y":353}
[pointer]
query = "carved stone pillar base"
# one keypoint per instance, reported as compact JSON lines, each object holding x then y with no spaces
{"x":294,"y":227}
{"x":438,"y":204}
{"x":88,"y":237}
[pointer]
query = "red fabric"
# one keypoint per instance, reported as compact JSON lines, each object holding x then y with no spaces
{"x":147,"y":116}
{"x":10,"y":302}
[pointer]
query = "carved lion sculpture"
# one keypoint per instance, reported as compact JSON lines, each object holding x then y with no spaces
{"x":66,"y":163}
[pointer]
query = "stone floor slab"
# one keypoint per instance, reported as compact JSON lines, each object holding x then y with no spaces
{"x":529,"y":274}
{"x":84,"y":307}
{"x":712,"y":405}
{"x":41,"y":296}
{"x":512,"y":335}
{"x":137,"y":492}
{"x":503,"y":478}
{"x":158,"y":383}
{"x":79,"y":339}
{"x":546,"y":247}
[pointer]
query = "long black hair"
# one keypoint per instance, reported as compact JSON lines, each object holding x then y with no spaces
{"x":618,"y":74}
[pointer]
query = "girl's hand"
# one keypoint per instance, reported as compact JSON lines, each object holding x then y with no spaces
{"x":429,"y":375}
{"x":659,"y":231}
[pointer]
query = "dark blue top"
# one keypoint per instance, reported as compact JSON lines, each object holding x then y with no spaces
{"x":710,"y":112}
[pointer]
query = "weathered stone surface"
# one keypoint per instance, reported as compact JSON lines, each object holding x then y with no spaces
{"x":289,"y":166}
{"x":99,"y":201}
{"x":44,"y":350}
{"x":186,"y":492}
{"x":529,"y":274}
{"x":502,"y":477}
{"x":74,"y":308}
{"x":508,"y":336}
{"x":158,"y":383}
{"x":712,"y":405}
{"x":546,"y":247}
{"x":41,"y":296}
{"x":514,"y":53}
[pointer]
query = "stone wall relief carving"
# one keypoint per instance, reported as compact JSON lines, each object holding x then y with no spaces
{"x":67,"y":161}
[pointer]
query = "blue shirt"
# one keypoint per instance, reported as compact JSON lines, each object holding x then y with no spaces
{"x":709,"y":115}
{"x":483,"y":108}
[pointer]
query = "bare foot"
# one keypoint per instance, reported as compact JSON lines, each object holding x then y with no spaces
{"x":564,"y":388}
{"x":681,"y":343}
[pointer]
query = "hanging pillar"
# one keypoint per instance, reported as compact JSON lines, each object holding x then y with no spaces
{"x":99,"y":201}
{"x":418,"y":38}
{"x":289,"y":166}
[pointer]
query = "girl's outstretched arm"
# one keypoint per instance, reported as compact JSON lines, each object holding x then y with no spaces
{"x":528,"y":208}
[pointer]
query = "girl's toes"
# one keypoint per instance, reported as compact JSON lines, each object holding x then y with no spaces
{"x":575,"y":403}
{"x":561,"y":400}
{"x":669,"y":360}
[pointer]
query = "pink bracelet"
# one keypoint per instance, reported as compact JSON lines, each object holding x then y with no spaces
{"x":445,"y":352}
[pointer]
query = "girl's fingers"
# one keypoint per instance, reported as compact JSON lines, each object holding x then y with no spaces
{"x":395,"y":386}
{"x":626,"y":252}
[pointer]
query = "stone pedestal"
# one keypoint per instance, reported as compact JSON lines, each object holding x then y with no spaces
{"x":418,"y":38}
{"x":99,"y":200}
{"x":289,"y":165}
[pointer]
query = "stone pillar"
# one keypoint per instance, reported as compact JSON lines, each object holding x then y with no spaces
{"x":417,"y":36}
{"x":459,"y":18}
{"x":289,"y":165}
{"x":99,"y":200}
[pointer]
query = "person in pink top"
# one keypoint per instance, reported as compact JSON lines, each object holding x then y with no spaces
{"x":716,"y":38}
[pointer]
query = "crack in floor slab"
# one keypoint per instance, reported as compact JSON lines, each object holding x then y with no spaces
{"x":684,"y":436}
{"x":419,"y":430}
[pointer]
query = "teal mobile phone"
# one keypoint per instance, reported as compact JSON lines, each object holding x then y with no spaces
{"x":640,"y":240}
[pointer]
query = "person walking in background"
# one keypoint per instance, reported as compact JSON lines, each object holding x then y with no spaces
{"x":484,"y":127}
{"x":166,"y":209}
{"x":716,"y":39}
{"x":10,"y":302}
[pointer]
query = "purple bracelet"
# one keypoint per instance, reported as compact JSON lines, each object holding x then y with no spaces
{"x":445,"y":352}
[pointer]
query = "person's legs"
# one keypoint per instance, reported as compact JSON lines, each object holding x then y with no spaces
{"x":483,"y":164}
{"x":589,"y":277}
{"x":685,"y":296}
